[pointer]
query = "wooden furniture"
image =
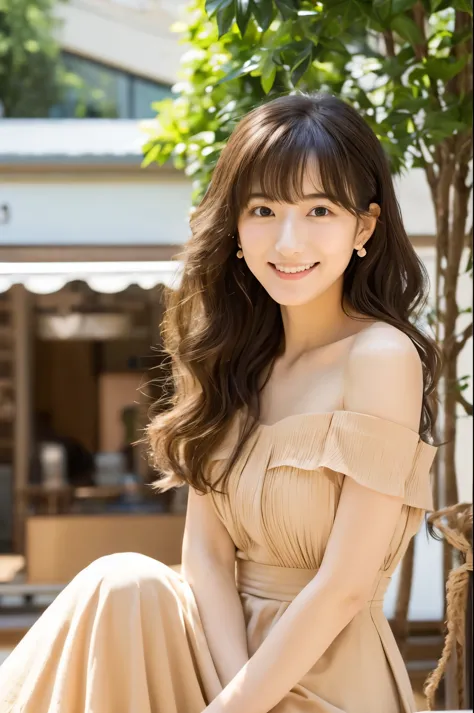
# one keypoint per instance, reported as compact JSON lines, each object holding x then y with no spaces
{"x":10,"y":567}
{"x":60,"y":546}
{"x":56,"y":501}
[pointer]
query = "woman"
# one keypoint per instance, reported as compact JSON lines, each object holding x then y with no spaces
{"x":302,"y":391}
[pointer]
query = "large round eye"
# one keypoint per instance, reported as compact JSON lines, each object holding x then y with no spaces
{"x":264,"y":214}
{"x":321,"y":208}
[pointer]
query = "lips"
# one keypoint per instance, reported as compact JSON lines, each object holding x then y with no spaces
{"x":293,"y":275}
{"x":294,"y":268}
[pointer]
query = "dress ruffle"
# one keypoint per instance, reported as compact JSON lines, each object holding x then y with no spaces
{"x":380,"y":454}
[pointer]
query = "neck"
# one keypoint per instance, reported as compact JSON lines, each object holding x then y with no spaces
{"x":315,"y":324}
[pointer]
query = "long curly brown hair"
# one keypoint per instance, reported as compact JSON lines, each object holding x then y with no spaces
{"x":222,"y":331}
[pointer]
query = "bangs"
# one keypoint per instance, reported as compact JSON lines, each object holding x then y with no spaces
{"x":278,"y":161}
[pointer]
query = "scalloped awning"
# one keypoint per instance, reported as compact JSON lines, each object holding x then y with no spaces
{"x":107,"y":277}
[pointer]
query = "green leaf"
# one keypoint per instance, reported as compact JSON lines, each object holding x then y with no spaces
{"x":243,"y":15}
{"x":461,"y":35}
{"x":32,"y":46}
{"x":363,"y":100}
{"x":300,"y":70}
{"x":382,"y":9}
{"x":301,"y":64}
{"x":225,"y":19}
{"x":286,"y":8}
{"x":276,"y":59}
{"x":445,"y":68}
{"x":443,"y":124}
{"x":393,"y":68}
{"x":208,"y":137}
{"x":406,"y":55}
{"x":397,"y":117}
{"x":152,"y":156}
{"x":463,"y":5}
{"x":466,"y":110}
{"x":399,"y":6}
{"x":469,"y":268}
{"x":239,"y":71}
{"x":268,"y":79}
{"x":407,"y":29}
{"x":263,"y":12}
{"x":411,"y":105}
{"x":212,"y":6}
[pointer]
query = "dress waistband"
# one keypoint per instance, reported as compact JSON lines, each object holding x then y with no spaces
{"x":285,"y":583}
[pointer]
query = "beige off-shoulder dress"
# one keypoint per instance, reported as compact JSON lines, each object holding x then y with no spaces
{"x":125,"y":635}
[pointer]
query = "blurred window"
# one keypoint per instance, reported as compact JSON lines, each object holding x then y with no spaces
{"x":97,"y":90}
{"x":144,"y":93}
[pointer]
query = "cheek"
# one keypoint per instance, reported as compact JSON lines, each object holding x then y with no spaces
{"x":336,"y":244}
{"x":255,"y":241}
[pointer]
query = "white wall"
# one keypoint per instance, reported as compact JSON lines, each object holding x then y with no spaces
{"x":60,"y":211}
{"x":132,"y":35}
{"x":414,"y":196}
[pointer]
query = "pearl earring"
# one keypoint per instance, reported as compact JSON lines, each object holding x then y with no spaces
{"x":362,"y":252}
{"x":239,"y":252}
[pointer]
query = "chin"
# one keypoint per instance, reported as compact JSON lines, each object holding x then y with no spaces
{"x":293,"y":298}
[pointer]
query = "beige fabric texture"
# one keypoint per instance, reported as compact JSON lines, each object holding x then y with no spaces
{"x":125,"y":635}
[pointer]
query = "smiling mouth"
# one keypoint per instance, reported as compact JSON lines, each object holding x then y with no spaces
{"x":291,"y":269}
{"x":293,"y":272}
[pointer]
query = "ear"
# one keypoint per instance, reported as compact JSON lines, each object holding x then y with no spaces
{"x":366,"y":225}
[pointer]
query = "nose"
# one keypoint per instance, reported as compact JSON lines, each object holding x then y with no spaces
{"x":288,"y":243}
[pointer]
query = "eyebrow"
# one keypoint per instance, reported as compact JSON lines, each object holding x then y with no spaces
{"x":309,"y":196}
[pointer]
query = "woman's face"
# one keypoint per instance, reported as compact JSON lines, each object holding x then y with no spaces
{"x":297,"y":251}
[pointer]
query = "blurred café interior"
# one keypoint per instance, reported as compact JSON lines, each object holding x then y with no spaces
{"x":80,"y":373}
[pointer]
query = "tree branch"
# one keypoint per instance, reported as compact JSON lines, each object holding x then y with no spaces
{"x":461,"y":343}
{"x":432,"y":179}
{"x":418,"y":14}
{"x":461,"y":83}
{"x":464,"y":403}
{"x":463,"y":151}
{"x":389,"y":43}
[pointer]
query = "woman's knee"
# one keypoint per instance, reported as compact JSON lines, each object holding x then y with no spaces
{"x":127,"y":571}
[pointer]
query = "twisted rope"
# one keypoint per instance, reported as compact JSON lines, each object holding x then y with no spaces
{"x":456,"y":532}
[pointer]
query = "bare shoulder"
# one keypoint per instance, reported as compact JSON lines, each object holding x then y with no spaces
{"x":383,"y":339}
{"x":384,"y":375}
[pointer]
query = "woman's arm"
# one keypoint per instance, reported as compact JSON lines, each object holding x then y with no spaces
{"x":209,"y":568}
{"x":385,"y":380}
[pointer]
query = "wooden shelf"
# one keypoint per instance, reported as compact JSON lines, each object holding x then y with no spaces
{"x":92,"y":492}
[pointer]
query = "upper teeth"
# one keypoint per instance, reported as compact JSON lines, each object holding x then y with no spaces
{"x":302,"y":268}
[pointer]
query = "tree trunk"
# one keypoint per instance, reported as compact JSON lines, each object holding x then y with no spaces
{"x":450,"y":192}
{"x":451,"y":221}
